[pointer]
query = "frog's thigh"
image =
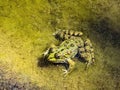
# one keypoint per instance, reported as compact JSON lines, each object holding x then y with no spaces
{"x":71,"y":65}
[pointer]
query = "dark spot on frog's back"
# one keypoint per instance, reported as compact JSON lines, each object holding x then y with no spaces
{"x":72,"y":45}
{"x":62,"y":49}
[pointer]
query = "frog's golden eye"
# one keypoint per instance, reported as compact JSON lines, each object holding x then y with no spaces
{"x":57,"y":56}
{"x":51,"y":50}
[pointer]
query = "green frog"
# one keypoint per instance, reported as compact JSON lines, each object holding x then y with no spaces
{"x":72,"y":46}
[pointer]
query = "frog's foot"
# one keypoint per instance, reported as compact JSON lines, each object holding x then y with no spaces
{"x":87,"y":65}
{"x":65,"y":72}
{"x":70,"y":68}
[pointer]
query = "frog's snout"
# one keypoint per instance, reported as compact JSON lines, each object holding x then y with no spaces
{"x":51,"y":57}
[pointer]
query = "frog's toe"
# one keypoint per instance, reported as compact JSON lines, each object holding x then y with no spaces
{"x":65,"y":72}
{"x":45,"y":53}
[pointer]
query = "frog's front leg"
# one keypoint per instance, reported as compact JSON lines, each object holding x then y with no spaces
{"x":46,"y":52}
{"x":70,"y":68}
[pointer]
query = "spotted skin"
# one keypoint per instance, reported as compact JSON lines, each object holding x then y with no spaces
{"x":72,"y":46}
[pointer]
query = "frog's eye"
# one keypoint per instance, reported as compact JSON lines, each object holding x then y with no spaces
{"x":57,"y":56}
{"x":52,"y":50}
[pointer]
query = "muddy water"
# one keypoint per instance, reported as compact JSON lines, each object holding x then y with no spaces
{"x":26,"y":32}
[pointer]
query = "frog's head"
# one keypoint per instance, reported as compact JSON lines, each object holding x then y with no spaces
{"x":53,"y":57}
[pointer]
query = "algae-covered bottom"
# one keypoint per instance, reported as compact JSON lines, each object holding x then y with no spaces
{"x":20,"y":53}
{"x":26,"y":28}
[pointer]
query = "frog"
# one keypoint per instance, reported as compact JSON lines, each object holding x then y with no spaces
{"x":72,"y":46}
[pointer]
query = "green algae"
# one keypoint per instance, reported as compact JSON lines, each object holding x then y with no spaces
{"x":26,"y":31}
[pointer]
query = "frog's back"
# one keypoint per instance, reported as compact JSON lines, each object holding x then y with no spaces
{"x":69,"y":47}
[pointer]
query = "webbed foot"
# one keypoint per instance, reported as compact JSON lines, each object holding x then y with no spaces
{"x":65,"y":72}
{"x":71,"y":64}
